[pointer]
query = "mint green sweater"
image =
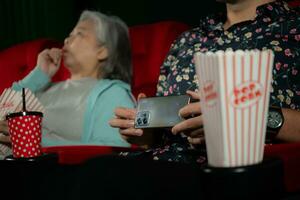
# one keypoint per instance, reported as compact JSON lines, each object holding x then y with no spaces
{"x":103,"y":98}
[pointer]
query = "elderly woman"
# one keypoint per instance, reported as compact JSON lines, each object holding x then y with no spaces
{"x":97,"y":54}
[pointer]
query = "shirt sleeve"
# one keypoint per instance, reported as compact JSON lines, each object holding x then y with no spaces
{"x":286,"y":72}
{"x":36,"y":80}
{"x":102,"y":132}
{"x":165,"y":69}
{"x":294,"y":92}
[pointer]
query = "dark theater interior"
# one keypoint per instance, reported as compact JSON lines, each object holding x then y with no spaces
{"x":90,"y":107}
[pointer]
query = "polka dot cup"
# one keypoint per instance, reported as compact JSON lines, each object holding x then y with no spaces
{"x":25,"y":133}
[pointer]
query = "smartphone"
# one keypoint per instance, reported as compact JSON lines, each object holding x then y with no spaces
{"x":160,"y":112}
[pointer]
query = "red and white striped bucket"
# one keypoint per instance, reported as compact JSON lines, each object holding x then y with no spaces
{"x":235,"y":89}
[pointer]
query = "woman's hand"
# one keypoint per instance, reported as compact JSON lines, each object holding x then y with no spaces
{"x":193,"y":125}
{"x":4,"y":137}
{"x":124,"y":120}
{"x":49,"y":61}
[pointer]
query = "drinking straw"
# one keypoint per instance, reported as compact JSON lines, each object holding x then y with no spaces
{"x":23,"y":99}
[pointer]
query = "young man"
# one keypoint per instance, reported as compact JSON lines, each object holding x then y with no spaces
{"x":247,"y":24}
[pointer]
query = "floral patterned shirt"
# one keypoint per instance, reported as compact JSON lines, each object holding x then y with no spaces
{"x":275,"y":27}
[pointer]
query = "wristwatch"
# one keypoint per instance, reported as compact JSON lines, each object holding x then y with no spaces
{"x":274,"y":123}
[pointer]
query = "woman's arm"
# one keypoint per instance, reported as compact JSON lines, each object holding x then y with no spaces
{"x":48,"y":63}
{"x":36,"y":80}
{"x":103,"y":111}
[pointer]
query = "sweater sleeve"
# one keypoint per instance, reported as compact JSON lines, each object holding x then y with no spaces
{"x":102,"y":132}
{"x":36,"y":80}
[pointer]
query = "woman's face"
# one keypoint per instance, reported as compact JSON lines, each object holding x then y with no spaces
{"x":81,"y":51}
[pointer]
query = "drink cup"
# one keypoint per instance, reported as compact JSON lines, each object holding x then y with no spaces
{"x":234,"y":90}
{"x":25,"y":133}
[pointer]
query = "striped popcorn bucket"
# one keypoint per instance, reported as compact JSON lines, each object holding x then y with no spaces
{"x":235,"y":88}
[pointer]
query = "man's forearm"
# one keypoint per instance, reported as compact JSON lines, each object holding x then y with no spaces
{"x":290,"y":131}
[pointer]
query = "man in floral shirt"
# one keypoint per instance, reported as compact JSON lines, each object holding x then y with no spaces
{"x":248,"y":24}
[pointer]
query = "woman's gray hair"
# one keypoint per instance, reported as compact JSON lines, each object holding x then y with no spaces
{"x":112,"y":32}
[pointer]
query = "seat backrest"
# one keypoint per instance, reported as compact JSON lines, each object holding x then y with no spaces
{"x":19,"y":60}
{"x":150,"y":44}
{"x":294,"y":3}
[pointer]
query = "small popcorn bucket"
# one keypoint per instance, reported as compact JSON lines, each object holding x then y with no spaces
{"x":235,"y":88}
{"x":25,"y":133}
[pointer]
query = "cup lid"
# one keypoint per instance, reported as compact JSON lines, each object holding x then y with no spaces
{"x":25,"y":113}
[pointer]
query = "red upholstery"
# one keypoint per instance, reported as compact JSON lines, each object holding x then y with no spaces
{"x":294,"y":3}
{"x":150,"y":45}
{"x":290,"y":155}
{"x":18,"y":60}
{"x":78,"y":154}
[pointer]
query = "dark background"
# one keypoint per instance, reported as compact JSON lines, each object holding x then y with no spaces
{"x":23,"y":20}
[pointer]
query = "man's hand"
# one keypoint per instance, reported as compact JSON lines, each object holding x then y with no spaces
{"x":49,"y":61}
{"x":3,"y":127}
{"x":193,"y":125}
{"x":4,"y":137}
{"x":124,"y":120}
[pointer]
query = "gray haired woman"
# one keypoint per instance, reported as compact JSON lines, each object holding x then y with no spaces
{"x":97,"y":54}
